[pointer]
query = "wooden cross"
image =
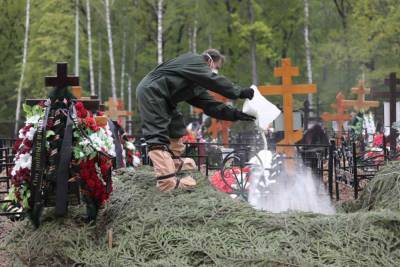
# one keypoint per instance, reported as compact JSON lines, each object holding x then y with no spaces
{"x":113,"y":112}
{"x":340,"y":117}
{"x":220,"y":126}
{"x":62,"y":79}
{"x":360,"y":103}
{"x":287,"y":89}
{"x":392,"y":82}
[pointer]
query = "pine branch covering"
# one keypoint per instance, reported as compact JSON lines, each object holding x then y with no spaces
{"x":208,"y":228}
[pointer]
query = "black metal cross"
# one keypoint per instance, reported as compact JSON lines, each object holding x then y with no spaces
{"x":392,"y":82}
{"x":62,"y":79}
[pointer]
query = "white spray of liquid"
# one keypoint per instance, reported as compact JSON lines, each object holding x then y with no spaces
{"x":297,"y":190}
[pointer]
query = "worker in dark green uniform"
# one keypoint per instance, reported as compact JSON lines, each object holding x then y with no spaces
{"x":185,"y":78}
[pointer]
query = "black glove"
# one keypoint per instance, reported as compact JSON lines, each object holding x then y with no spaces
{"x":240,"y":116}
{"x":247,"y":93}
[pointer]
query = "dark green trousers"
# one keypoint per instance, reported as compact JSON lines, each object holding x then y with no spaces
{"x":160,"y":121}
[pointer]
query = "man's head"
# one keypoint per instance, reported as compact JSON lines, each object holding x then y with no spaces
{"x":214,"y":59}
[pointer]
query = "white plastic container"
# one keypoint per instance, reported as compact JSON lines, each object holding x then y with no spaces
{"x":261,"y":108}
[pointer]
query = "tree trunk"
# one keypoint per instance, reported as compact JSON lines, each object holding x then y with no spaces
{"x":99,"y":78}
{"x":159,"y":31}
{"x":308,"y":48}
{"x":110,"y":51}
{"x":190,"y":39}
{"x":76,"y":37}
{"x":194,"y":37}
{"x":130,"y":104}
{"x":122,"y":83}
{"x":24,"y":57}
{"x":253,"y":52}
{"x":89,"y":32}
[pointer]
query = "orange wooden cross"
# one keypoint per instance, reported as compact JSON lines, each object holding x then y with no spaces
{"x":340,"y":117}
{"x":77,"y":91}
{"x":361,"y":103}
{"x":113,"y":112}
{"x":218,"y":126}
{"x":288,"y":89}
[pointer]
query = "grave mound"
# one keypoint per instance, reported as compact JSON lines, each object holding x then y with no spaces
{"x":208,"y":228}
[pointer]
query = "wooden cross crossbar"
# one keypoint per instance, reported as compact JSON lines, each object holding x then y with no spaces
{"x":360,"y":102}
{"x":340,"y":117}
{"x":287,"y":89}
{"x":113,"y":112}
{"x":62,"y":79}
{"x":392,"y":82}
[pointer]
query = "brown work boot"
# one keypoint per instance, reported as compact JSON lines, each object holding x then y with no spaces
{"x":187,"y":183}
{"x":168,"y":184}
{"x":164,"y":169}
{"x":177,"y":148}
{"x":184,"y":164}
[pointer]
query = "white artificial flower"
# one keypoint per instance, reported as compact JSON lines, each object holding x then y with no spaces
{"x":25,"y":161}
{"x":33,"y":120}
{"x":123,"y":154}
{"x":130,"y":146}
{"x":31,"y":133}
{"x":136,"y":161}
{"x":21,"y":134}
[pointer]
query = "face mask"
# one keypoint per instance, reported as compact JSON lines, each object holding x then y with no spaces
{"x":212,"y":64}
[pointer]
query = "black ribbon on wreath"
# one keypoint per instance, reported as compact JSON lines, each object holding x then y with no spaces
{"x":114,"y":127}
{"x":38,"y":165}
{"x":62,"y":175}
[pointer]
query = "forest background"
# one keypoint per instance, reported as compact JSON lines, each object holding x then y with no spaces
{"x":346,"y":40}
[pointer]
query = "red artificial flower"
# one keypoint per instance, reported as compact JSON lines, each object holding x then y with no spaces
{"x":378,"y":140}
{"x":81,"y":112}
{"x":229,"y":177}
{"x":50,"y":123}
{"x":16,"y":145}
{"x":79,"y":106}
{"x":94,"y":185}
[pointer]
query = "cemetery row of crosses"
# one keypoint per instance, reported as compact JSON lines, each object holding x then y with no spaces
{"x":70,"y":146}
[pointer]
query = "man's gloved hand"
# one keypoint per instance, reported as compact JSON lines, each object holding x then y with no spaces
{"x":247,"y":93}
{"x":240,"y":116}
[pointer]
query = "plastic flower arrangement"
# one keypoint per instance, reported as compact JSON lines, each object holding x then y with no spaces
{"x":91,"y":161}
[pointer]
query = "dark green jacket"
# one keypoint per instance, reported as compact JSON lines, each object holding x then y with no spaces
{"x":187,"y":78}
